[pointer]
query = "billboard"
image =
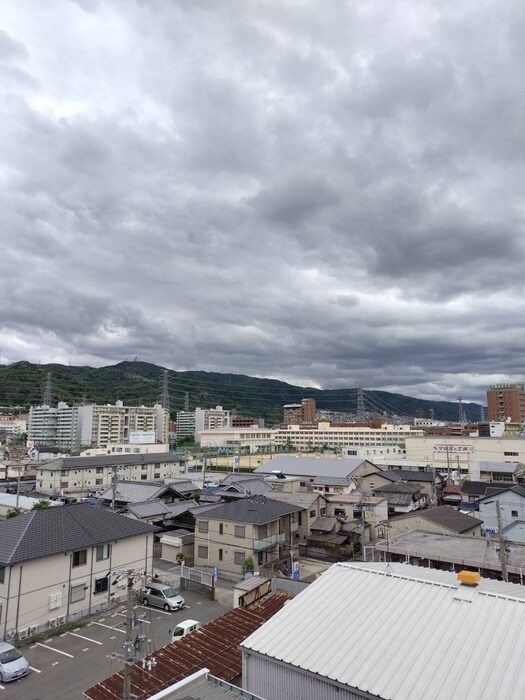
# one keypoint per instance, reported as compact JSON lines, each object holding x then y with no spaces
{"x":147,"y":437}
{"x":454,"y":449}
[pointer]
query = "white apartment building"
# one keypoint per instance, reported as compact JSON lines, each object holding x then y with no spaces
{"x":210,"y":419}
{"x":306,"y":438}
{"x":54,"y":426}
{"x":13,"y":425}
{"x":125,"y":448}
{"x":102,"y":425}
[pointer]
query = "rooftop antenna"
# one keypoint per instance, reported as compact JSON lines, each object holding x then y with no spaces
{"x":164,"y":397}
{"x":460,"y":409}
{"x":46,"y":398}
{"x":186,"y":400}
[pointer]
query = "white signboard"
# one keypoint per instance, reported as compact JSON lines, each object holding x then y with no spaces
{"x":144,"y":438}
{"x":454,"y":448}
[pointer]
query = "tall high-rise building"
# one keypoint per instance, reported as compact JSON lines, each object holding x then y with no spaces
{"x":185,"y":424}
{"x":54,"y":426}
{"x":506,"y":401}
{"x":300,"y":413}
{"x":101,"y":425}
{"x":210,"y":418}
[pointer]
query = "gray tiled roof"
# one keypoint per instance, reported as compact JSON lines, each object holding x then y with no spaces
{"x":409,"y":475}
{"x":246,"y":487}
{"x":257,"y":510}
{"x":113,"y":460}
{"x":134,"y":491}
{"x":445,"y":516}
{"x":43,"y":533}
{"x":324,"y":523}
{"x":304,"y":499}
{"x":148,"y":509}
{"x":331,"y":481}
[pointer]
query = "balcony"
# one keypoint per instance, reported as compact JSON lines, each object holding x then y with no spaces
{"x":268,"y":542}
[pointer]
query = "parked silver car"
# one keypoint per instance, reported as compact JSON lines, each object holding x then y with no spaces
{"x":162,"y":596}
{"x":13,"y":664}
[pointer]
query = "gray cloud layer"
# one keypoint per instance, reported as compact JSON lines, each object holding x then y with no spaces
{"x":324,"y":193}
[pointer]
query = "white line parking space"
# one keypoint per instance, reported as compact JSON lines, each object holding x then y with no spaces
{"x":147,"y":607}
{"x":36,"y":670}
{"x":88,"y":639}
{"x":109,"y":627}
{"x":58,"y":651}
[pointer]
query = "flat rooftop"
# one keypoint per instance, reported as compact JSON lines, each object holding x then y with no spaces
{"x":466,"y":550}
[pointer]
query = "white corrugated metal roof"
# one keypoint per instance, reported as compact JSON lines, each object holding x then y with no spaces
{"x":311,"y":466}
{"x":409,"y":634}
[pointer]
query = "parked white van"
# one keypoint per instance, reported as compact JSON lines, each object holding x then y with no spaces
{"x":183,"y":629}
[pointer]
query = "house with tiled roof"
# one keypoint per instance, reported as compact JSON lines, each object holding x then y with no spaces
{"x":441,"y":520}
{"x":58,"y":565}
{"x":257,"y":528}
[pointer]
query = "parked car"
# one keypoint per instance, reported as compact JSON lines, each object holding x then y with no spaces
{"x":162,"y":596}
{"x":13,"y":664}
{"x":184,"y":628}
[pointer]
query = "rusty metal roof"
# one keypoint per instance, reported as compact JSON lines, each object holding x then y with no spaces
{"x":215,"y":646}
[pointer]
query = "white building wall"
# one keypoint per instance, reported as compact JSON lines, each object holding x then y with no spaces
{"x":512,"y":509}
{"x":37,"y":591}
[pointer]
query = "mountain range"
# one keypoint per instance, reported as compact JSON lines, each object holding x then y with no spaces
{"x":140,"y":383}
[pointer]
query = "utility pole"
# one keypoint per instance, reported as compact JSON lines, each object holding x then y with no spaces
{"x":501,"y":539}
{"x":113,"y":486}
{"x":128,"y":644}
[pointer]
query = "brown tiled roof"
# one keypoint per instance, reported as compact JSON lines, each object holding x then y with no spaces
{"x":215,"y":646}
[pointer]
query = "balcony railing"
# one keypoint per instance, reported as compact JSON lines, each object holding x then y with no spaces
{"x":267,"y":542}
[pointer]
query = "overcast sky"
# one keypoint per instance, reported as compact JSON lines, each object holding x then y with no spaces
{"x":321,"y":192}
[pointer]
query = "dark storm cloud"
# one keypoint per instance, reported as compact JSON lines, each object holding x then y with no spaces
{"x":324,"y":195}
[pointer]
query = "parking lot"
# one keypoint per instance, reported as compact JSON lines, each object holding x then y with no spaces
{"x":63,"y":666}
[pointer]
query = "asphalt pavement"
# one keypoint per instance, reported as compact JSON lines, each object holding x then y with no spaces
{"x":63,"y":666}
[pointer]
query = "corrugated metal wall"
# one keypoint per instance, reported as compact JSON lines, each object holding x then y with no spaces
{"x":274,"y":681}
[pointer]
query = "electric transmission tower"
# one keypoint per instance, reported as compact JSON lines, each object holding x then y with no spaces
{"x":360,"y":401}
{"x":47,"y":397}
{"x":164,"y":396}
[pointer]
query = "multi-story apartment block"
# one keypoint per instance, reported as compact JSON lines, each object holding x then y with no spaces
{"x":210,"y":418}
{"x":506,"y":401}
{"x":110,"y":424}
{"x":13,"y":426}
{"x":185,"y":424}
{"x":299,"y":413}
{"x":81,"y":475}
{"x":54,"y":426}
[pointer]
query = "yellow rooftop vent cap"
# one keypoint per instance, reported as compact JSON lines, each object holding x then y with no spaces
{"x":469,"y":578}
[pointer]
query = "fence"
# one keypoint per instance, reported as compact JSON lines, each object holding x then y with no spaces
{"x":189,"y":579}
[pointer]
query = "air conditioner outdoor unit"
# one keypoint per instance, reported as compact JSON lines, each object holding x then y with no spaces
{"x":61,"y":620}
{"x":33,"y":630}
{"x":52,"y":622}
{"x":23,"y":633}
{"x":10,"y":634}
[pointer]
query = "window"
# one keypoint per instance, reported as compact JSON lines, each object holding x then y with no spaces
{"x":511,"y":454}
{"x":101,"y":584}
{"x":99,"y":482}
{"x":65,"y":472}
{"x":239,"y":531}
{"x":238,"y":558}
{"x":77,"y":593}
{"x":102,"y":552}
{"x":156,"y":475}
{"x":100,"y":470}
{"x":144,"y":466}
{"x":203,"y":526}
{"x":514,"y":513}
{"x":2,"y":574}
{"x":220,"y":554}
{"x":143,"y":477}
{"x":221,"y":529}
{"x":80,"y":557}
{"x":312,"y":513}
{"x":202,"y":552}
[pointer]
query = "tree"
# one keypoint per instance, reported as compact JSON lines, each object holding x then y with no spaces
{"x":248,"y":565}
{"x":40,"y":505}
{"x":13,"y":512}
